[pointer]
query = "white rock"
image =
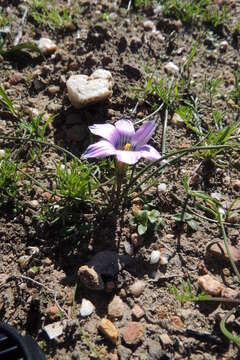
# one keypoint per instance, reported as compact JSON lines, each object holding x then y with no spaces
{"x":155,"y":257}
{"x":46,"y":46}
{"x":86,"y":308}
{"x":128,"y":248}
{"x":84,"y":90}
{"x":2,"y":153}
{"x":54,"y":330}
{"x":171,"y":68}
{"x":137,"y":288}
{"x":162,"y":187}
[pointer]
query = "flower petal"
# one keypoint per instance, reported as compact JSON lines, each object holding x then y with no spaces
{"x":149,"y":153}
{"x":125,"y":127}
{"x":128,"y":157}
{"x":126,"y":131}
{"x":106,"y":131}
{"x":100,"y":149}
{"x":143,"y":134}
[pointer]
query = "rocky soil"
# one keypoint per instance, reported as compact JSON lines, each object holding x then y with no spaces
{"x":104,"y":288}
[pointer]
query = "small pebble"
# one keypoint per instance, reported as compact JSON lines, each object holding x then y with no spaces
{"x":155,"y":257}
{"x":46,"y":46}
{"x":171,"y":68}
{"x":137,"y":288}
{"x":162,"y":187}
{"x":52,"y":311}
{"x":148,"y":25}
{"x":133,"y":332}
{"x":53,"y":89}
{"x":209,"y":285}
{"x":54,"y":330}
{"x":15,"y":78}
{"x":116,"y":308}
{"x":86,"y":308}
{"x":137,"y":312}
{"x":34,"y":204}
{"x":108,"y":329}
{"x":90,"y":278}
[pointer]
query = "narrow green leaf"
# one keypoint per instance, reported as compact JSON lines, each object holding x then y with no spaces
{"x":6,"y":101}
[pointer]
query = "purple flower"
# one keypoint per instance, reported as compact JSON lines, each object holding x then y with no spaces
{"x":122,"y":141}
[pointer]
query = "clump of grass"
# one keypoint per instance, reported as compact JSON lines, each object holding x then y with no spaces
{"x":8,"y":180}
{"x":46,"y":13}
{"x":36,"y":128}
{"x":196,"y":13}
{"x":74,"y":180}
{"x":73,"y":196}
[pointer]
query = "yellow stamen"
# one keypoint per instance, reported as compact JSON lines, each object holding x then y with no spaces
{"x":127,"y":147}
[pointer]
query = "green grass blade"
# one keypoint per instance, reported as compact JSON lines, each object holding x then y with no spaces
{"x":4,"y":99}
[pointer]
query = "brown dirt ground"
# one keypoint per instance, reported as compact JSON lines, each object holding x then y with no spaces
{"x":92,"y":42}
